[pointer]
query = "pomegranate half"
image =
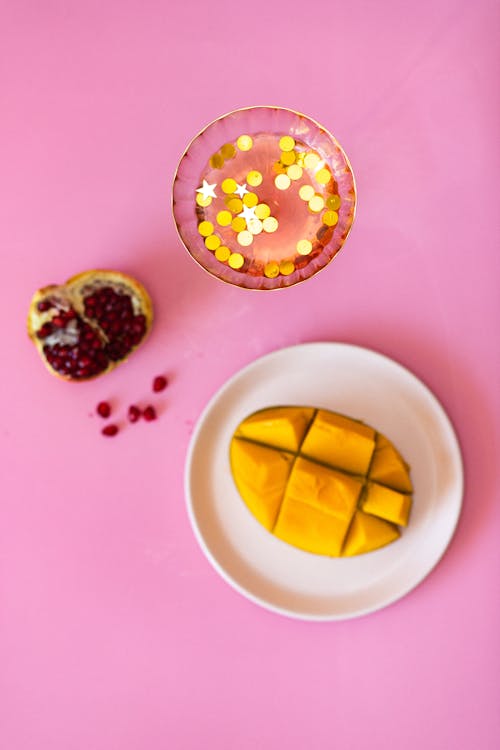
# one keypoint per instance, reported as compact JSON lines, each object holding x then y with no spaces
{"x":89,"y":325}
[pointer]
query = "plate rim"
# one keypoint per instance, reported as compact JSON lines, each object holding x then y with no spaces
{"x":227,"y":385}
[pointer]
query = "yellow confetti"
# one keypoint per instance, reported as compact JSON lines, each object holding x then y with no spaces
{"x":254,"y":178}
{"x":212,"y":242}
{"x":294,"y":172}
{"x":244,"y":143}
{"x":229,"y":185}
{"x":255,"y":226}
{"x":323,"y":176}
{"x":282,"y":181}
{"x":317,"y":203}
{"x":228,"y":151}
{"x":217,"y":161}
{"x":333,"y":202}
{"x":245,"y":238}
{"x":330,"y":218}
{"x":286,"y":267}
{"x":234,"y":204}
{"x":270,"y":224}
{"x":205,"y":228}
{"x":262,"y":211}
{"x":311,"y":160}
{"x":278,"y":168}
{"x":236,"y":260}
{"x":203,"y":202}
{"x":304,"y":247}
{"x":224,"y":218}
{"x":238,"y":224}
{"x":271,"y":270}
{"x":250,"y":199}
{"x":306,"y":192}
{"x":222,"y":253}
{"x":287,"y":143}
{"x":288,"y":157}
{"x":300,"y":159}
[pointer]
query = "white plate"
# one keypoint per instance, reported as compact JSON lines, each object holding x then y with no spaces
{"x":362,"y":384}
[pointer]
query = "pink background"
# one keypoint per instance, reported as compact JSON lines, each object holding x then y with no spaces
{"x":114,"y":630}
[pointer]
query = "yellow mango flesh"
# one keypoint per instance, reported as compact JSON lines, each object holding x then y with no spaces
{"x":310,"y":481}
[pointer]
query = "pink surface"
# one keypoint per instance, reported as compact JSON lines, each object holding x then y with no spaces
{"x":114,"y":630}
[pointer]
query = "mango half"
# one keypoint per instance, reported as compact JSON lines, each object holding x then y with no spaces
{"x":321,"y":481}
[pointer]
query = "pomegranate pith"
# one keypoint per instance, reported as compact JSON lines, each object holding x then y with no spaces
{"x":149,"y":413}
{"x":103,"y":409}
{"x":159,"y":383}
{"x":110,"y":430}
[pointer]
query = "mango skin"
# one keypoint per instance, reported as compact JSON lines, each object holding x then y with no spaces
{"x":320,"y":481}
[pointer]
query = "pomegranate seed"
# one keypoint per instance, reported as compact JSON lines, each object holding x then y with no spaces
{"x":103,"y":409}
{"x":149,"y":413}
{"x":44,"y":305}
{"x":159,"y":383}
{"x":110,"y":430}
{"x":134,"y":413}
{"x":58,"y":321}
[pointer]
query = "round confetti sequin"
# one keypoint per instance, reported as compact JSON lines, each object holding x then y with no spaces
{"x":217,"y":161}
{"x":255,"y":226}
{"x":244,"y":143}
{"x":228,"y":151}
{"x":222,"y":253}
{"x":330,"y":218}
{"x":245,"y":238}
{"x":271,"y":270}
{"x":236,"y":260}
{"x":238,"y":224}
{"x":288,"y":157}
{"x":229,"y":185}
{"x":270,"y":224}
{"x":287,"y":143}
{"x":323,"y":176}
{"x":262,"y":211}
{"x":286,"y":267}
{"x":234,"y":204}
{"x":282,"y":181}
{"x":205,"y":228}
{"x":294,"y":172}
{"x":224,"y":218}
{"x":203,"y":202}
{"x":250,"y":199}
{"x":212,"y":242}
{"x":306,"y":192}
{"x":254,"y":178}
{"x":333,"y":202}
{"x":300,"y":158}
{"x":317,"y":203}
{"x":311,"y":160}
{"x":278,"y":168}
{"x":304,"y":247}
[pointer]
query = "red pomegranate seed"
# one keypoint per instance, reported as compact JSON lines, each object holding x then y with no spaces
{"x":44,"y":305}
{"x":134,"y":413}
{"x":110,"y":430}
{"x":159,"y":383}
{"x":149,"y":413}
{"x":103,"y":409}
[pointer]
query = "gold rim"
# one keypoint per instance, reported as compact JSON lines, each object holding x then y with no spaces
{"x":247,"y":109}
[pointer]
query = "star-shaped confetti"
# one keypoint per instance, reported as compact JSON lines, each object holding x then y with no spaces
{"x":241,"y":190}
{"x":248,"y":213}
{"x":206,"y":190}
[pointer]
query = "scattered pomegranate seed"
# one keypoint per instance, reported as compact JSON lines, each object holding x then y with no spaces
{"x":134,"y":413}
{"x":44,"y":305}
{"x":149,"y":413}
{"x":110,"y":430}
{"x":159,"y":383}
{"x":103,"y":409}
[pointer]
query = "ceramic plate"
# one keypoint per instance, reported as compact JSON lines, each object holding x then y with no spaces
{"x":362,"y":384}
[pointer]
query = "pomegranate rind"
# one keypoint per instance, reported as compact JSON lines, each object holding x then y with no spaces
{"x":73,"y":291}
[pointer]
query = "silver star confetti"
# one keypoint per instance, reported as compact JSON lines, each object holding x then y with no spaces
{"x":207,"y":191}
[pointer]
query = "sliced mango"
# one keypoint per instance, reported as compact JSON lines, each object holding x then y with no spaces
{"x":367,"y":533}
{"x":308,"y":476}
{"x":340,"y":442}
{"x":261,"y":475}
{"x":283,"y":427}
{"x":386,"y":503}
{"x":389,"y":467}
